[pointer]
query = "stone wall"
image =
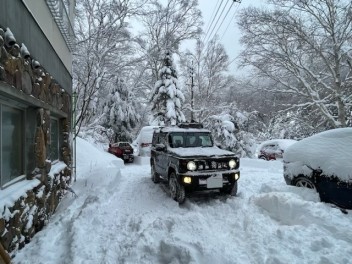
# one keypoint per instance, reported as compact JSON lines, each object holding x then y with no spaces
{"x":31,"y":212}
{"x":28,"y":79}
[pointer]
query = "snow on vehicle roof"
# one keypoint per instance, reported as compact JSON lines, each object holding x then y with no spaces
{"x":331,"y":151}
{"x":201,"y":151}
{"x":178,"y":129}
{"x":282,"y":143}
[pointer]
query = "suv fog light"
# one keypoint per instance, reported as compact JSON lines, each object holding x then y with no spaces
{"x":232,"y":164}
{"x":187,"y":179}
{"x":237,"y":176}
{"x":191,"y":166}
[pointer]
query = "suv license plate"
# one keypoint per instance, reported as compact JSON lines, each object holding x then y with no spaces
{"x":214,"y":182}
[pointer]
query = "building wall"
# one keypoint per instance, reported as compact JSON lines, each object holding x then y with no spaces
{"x":51,"y":52}
{"x":35,"y":121}
{"x":47,"y":24}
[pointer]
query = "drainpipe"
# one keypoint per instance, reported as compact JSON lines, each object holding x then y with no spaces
{"x":73,"y":131}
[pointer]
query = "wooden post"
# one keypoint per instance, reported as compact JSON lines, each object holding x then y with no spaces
{"x":4,"y":256}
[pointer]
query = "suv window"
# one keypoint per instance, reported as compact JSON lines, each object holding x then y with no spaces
{"x":190,"y":140}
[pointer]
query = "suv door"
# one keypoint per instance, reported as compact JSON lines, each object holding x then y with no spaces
{"x":159,"y":155}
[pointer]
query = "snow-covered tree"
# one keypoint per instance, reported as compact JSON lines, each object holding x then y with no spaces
{"x":103,"y":49}
{"x":120,"y":112}
{"x":291,"y":125}
{"x":305,"y":48}
{"x":223,"y":128}
{"x":211,"y":81}
{"x":167,"y":97}
{"x":168,"y":24}
{"x":229,"y":133}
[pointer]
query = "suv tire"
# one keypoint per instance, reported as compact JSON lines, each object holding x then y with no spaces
{"x":177,"y":191}
{"x":155,"y":177}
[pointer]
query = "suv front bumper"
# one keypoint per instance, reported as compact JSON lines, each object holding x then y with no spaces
{"x":208,"y":180}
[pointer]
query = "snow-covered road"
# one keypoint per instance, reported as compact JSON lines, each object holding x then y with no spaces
{"x":126,"y":218}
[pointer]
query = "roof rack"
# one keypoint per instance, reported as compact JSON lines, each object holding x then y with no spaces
{"x":190,"y":125}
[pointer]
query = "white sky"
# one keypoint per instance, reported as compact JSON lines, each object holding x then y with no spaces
{"x":121,"y":216}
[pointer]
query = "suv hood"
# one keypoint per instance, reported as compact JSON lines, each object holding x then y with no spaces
{"x":201,"y":152}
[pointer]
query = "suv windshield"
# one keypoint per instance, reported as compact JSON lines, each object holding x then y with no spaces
{"x":190,"y":140}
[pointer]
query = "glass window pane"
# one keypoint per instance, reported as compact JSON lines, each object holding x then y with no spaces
{"x":11,"y":143}
{"x":54,"y":137}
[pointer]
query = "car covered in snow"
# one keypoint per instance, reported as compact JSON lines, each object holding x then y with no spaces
{"x":122,"y":150}
{"x":143,"y":141}
{"x":273,"y":149}
{"x":186,"y":159}
{"x":323,"y":162}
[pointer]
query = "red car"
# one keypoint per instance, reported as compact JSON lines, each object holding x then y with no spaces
{"x":122,"y":150}
{"x":273,"y":149}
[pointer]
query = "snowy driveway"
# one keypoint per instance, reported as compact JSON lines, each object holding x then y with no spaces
{"x":126,"y":218}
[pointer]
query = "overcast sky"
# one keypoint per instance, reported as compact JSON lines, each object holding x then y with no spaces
{"x":228,"y":33}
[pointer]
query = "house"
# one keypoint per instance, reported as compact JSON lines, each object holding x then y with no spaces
{"x":36,"y":44}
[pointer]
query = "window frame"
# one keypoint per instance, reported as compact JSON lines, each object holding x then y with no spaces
{"x":57,"y":158}
{"x":17,"y":106}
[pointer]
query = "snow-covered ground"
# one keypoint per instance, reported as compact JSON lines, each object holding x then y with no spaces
{"x":121,"y":216}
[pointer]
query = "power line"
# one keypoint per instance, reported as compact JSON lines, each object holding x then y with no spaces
{"x":222,"y":11}
{"x":224,"y":18}
{"x":213,"y":19}
{"x":228,"y":25}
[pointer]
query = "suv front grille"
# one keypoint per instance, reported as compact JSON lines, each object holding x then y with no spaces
{"x":212,"y":165}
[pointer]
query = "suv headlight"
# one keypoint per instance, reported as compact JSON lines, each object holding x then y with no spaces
{"x":191,"y":165}
{"x":232,"y":164}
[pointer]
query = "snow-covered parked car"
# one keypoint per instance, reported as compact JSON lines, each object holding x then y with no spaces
{"x":143,"y":141}
{"x":323,"y":162}
{"x":122,"y":150}
{"x":185,"y":158}
{"x":273,"y":149}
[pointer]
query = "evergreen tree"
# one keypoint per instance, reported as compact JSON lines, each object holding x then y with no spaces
{"x":120,"y":112}
{"x":167,"y":97}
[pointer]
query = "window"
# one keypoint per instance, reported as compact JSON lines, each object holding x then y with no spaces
{"x":188,"y":139}
{"x":54,"y":139}
{"x":11,"y":142}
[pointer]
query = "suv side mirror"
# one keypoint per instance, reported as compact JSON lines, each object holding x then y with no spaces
{"x":109,"y":145}
{"x":160,"y":147}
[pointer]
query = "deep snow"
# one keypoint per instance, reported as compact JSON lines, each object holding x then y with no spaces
{"x":121,"y":216}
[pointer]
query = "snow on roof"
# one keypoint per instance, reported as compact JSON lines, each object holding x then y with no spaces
{"x":331,"y":151}
{"x":178,"y":129}
{"x":282,"y":143}
{"x":201,"y":151}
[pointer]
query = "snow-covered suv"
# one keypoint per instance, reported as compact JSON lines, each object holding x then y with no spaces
{"x":186,"y":158}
